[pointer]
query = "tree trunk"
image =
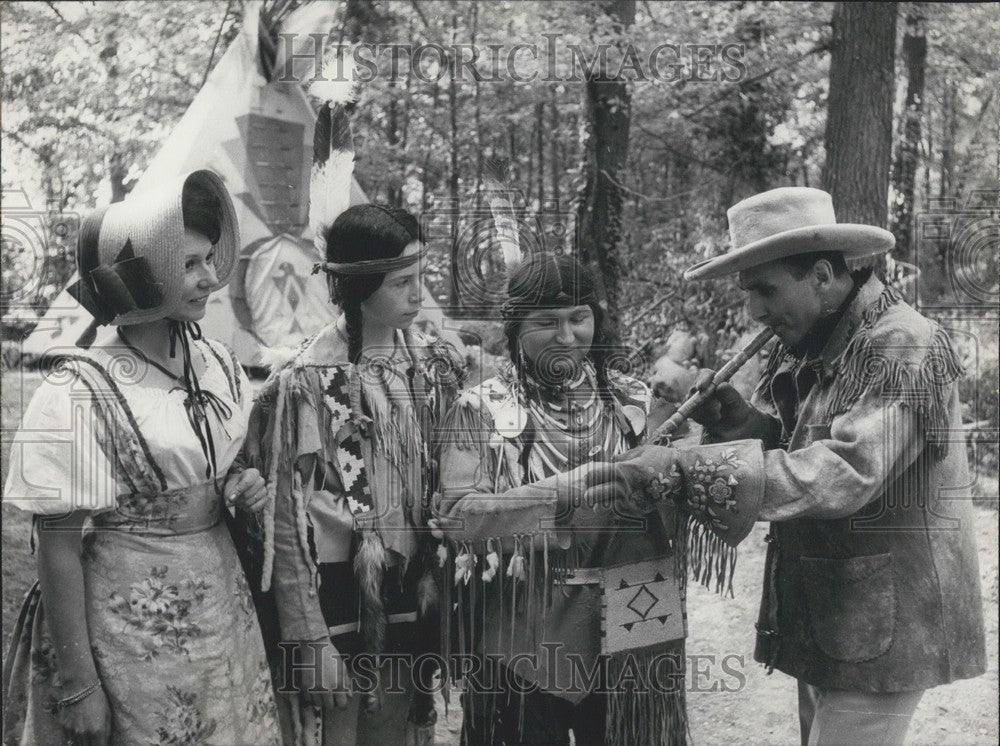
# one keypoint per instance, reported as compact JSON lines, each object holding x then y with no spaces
{"x":929,"y":153}
{"x":554,"y":162}
{"x":474,"y":11}
{"x":571,"y":146}
{"x":393,"y":189}
{"x":681,"y":191}
{"x":359,"y":18}
{"x":949,"y":129}
{"x":540,"y":150}
{"x":904,"y":169}
{"x":530,"y":181}
{"x":117,"y":171}
{"x":425,"y":202}
{"x":455,"y":294}
{"x":859,"y":118}
{"x":605,"y":149}
{"x":405,"y":131}
{"x":978,"y":148}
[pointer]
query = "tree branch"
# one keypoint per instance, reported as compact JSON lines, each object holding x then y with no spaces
{"x":60,"y":123}
{"x":420,"y":13}
{"x":975,"y":69}
{"x":668,"y":147}
{"x":175,"y":73}
{"x":650,"y":307}
{"x":215,"y":44}
{"x":19,"y":139}
{"x":821,"y":47}
{"x":72,"y":27}
{"x":54,"y":9}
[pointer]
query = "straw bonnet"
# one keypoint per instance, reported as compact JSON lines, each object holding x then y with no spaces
{"x":784,"y":222}
{"x":129,"y":254}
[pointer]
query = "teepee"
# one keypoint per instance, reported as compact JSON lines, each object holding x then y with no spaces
{"x":256,"y":132}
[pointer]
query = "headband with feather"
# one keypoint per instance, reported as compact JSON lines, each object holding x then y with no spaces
{"x":333,"y":145}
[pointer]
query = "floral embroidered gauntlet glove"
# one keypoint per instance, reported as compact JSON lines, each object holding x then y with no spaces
{"x":720,"y":485}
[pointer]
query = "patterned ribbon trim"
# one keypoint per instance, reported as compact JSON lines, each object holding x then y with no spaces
{"x":350,"y":457}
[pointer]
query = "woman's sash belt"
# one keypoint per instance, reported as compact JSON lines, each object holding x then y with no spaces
{"x":186,"y":510}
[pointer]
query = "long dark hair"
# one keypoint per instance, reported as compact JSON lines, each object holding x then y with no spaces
{"x":365,"y":232}
{"x":201,"y":211}
{"x":554,"y":281}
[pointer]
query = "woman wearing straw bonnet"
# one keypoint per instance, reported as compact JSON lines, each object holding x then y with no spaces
{"x":342,"y":430}
{"x":141,"y":627}
{"x":552,"y":593}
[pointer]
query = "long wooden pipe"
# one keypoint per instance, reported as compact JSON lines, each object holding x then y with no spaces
{"x":667,"y":429}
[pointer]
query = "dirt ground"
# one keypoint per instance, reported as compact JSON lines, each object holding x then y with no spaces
{"x":761,"y":710}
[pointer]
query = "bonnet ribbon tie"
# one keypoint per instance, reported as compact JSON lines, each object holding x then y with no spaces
{"x":107,"y":291}
{"x":198,"y":400}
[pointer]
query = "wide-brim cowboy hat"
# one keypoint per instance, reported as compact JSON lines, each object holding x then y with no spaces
{"x":130,"y":255}
{"x":787,"y":221}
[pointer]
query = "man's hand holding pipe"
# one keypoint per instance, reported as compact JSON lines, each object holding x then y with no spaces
{"x":724,"y":414}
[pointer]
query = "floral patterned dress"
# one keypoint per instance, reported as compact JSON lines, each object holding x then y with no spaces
{"x":172,"y":627}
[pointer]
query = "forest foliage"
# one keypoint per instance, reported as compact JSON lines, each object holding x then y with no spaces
{"x":90,"y":90}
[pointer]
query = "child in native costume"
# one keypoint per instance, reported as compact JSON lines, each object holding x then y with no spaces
{"x":342,"y":434}
{"x":530,"y":567}
{"x":141,"y":628}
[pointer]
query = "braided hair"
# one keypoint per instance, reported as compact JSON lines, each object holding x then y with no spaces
{"x":365,"y":232}
{"x":554,"y":281}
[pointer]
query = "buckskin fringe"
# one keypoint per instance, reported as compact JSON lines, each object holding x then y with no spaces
{"x":647,"y":716}
{"x":268,"y":538}
{"x":705,"y":555}
{"x":924,"y":389}
{"x":886,"y":299}
{"x":763,"y":391}
{"x":397,"y":437}
{"x":466,"y":426}
{"x":276,"y":458}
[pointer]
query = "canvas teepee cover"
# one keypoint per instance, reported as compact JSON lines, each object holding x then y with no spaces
{"x":257,"y":134}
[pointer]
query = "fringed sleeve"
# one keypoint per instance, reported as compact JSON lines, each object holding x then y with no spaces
{"x":294,"y":566}
{"x":761,"y":397}
{"x":448,"y":372}
{"x":886,"y":375}
{"x":466,"y":426}
{"x":893,"y":402}
{"x":476,"y":502}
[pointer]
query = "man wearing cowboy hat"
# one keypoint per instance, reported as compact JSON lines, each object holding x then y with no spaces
{"x":871,"y":589}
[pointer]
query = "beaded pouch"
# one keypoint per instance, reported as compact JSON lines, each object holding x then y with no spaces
{"x":642,"y":605}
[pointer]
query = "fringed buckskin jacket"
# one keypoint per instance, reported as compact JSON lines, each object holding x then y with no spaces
{"x":528,"y":570}
{"x":345,"y":450}
{"x":872,"y":576}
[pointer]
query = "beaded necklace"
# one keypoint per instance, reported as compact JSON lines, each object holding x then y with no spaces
{"x":570,"y":433}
